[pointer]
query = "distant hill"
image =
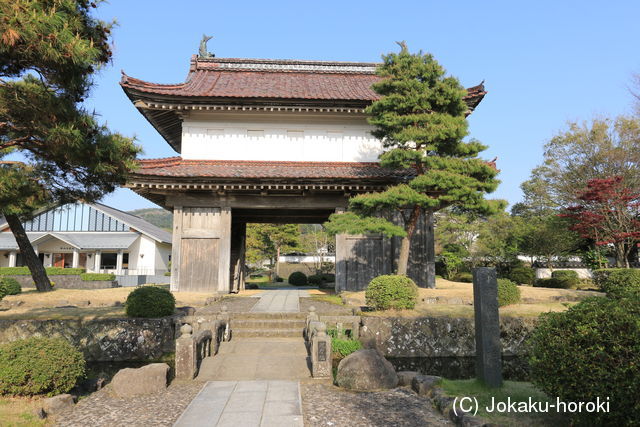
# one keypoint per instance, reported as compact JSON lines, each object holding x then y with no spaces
{"x":158,"y":217}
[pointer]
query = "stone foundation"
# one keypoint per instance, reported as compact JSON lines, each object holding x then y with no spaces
{"x":101,"y":340}
{"x":70,"y":281}
{"x":438,"y":336}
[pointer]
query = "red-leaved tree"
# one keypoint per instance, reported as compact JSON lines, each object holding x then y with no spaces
{"x":610,"y":215}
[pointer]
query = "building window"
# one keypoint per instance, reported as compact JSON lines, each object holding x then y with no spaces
{"x":125,"y":261}
{"x":108,"y":261}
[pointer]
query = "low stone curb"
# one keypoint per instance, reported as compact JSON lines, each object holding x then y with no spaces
{"x":427,"y":386}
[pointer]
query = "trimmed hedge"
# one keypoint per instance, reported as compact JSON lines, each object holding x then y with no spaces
{"x":329,"y":277}
{"x":390,"y":291}
{"x":95,"y":277}
{"x":591,"y":351}
{"x":508,"y":292}
{"x":53,"y":271}
{"x":39,"y":365}
{"x":10,"y":286}
{"x":464,"y":277}
{"x":315,"y":279}
{"x":552,"y":283}
{"x":616,"y":281}
{"x":522,"y":275}
{"x":569,"y":276}
{"x":297,"y":278}
{"x":150,"y":301}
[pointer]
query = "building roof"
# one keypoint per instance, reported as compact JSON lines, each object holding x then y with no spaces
{"x":263,"y":84}
{"x":133,"y":222}
{"x":177,"y":167}
{"x":136,"y":223}
{"x":79,"y":240}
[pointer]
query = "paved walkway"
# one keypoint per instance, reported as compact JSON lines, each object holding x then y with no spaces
{"x":245,"y":403}
{"x":279,"y":301}
{"x":257,"y":359}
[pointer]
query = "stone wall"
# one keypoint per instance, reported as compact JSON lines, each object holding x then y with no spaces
{"x":101,"y":340}
{"x":438,"y":336}
{"x":67,"y":281}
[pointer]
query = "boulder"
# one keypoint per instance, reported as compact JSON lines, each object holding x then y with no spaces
{"x":423,"y":384}
{"x":149,"y":379}
{"x":405,"y":377}
{"x":58,"y":404}
{"x":366,"y":370}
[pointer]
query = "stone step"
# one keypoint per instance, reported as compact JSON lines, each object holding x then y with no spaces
{"x":259,"y":315}
{"x":267,"y":324}
{"x":264,"y":333}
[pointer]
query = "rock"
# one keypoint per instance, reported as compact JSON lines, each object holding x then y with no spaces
{"x":149,"y":379}
{"x":405,"y":377}
{"x":188,"y":311}
{"x":251,"y":286}
{"x":212,"y":300}
{"x":91,"y":385}
{"x":58,"y":404}
{"x":366,"y":370}
{"x":39,"y":413}
{"x":423,"y":384}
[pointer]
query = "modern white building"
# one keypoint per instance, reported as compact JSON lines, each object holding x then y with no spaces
{"x":91,"y":236}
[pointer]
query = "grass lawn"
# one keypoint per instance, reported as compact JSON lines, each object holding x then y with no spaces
{"x":456,"y":299}
{"x":517,"y":391}
{"x":20,"y":411}
{"x":329,"y":297}
{"x":90,"y":303}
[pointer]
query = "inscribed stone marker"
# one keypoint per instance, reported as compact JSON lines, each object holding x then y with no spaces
{"x":487,"y":323}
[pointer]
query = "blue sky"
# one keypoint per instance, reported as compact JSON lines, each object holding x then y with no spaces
{"x":543,"y":62}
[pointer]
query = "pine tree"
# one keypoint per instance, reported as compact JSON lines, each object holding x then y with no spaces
{"x":421,"y":121}
{"x":49,"y":50}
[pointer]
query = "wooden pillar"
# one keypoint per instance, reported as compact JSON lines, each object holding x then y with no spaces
{"x":224,"y":267}
{"x":175,"y":248}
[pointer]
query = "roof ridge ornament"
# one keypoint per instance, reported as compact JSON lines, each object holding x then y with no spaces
{"x":202,"y":53}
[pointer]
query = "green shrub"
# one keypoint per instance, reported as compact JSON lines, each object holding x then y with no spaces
{"x":94,"y":277}
{"x":279,"y":279}
{"x":14,"y":271}
{"x":39,"y":365}
{"x":619,"y":280}
{"x":3,"y":292}
{"x":451,"y":262}
{"x":591,"y":350}
{"x":343,"y":346}
{"x":522,"y":275}
{"x":150,"y":301}
{"x":570,"y":276}
{"x":329,"y":277}
{"x":297,"y":278}
{"x":464,"y":277}
{"x":552,"y":283}
{"x":315,"y":279}
{"x":508,"y":292}
{"x":59,"y":271}
{"x":10,"y":286}
{"x":385,"y":292}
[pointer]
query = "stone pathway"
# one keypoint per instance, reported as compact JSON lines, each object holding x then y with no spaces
{"x":257,"y":359}
{"x":279,"y":301}
{"x":327,"y":405}
{"x":245,"y":403}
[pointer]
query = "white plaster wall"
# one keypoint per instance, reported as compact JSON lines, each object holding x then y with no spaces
{"x":142,"y":246}
{"x":54,"y":245}
{"x":545,"y":273}
{"x":253,"y":136}
{"x":163,"y":251}
{"x":4,"y":262}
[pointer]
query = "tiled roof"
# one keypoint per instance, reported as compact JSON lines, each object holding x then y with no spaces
{"x":275,"y":79}
{"x":177,"y":167}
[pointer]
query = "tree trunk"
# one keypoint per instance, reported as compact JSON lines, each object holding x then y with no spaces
{"x":403,"y":260}
{"x":36,"y":268}
{"x":621,"y":259}
{"x":277,"y":262}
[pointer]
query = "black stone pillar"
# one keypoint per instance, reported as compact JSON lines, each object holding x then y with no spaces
{"x":487,"y":323}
